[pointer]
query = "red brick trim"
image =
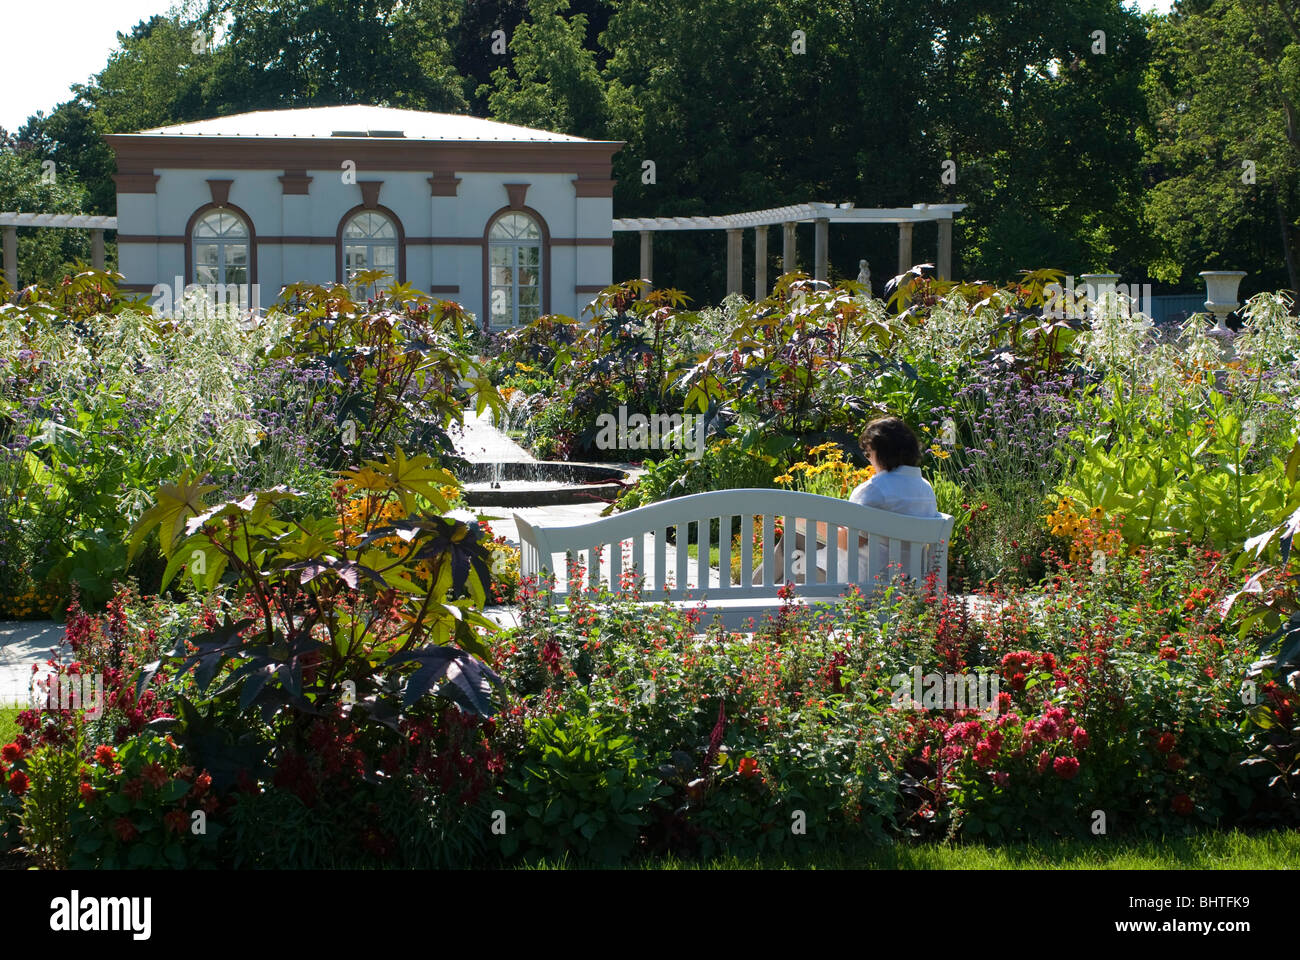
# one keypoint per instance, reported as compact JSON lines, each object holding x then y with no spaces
{"x":516,"y":192}
{"x":593,"y":187}
{"x":220,"y":190}
{"x":295,"y":183}
{"x":136,"y":182}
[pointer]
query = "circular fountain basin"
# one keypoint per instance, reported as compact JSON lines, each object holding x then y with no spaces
{"x":540,"y":483}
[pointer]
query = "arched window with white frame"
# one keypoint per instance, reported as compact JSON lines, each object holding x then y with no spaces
{"x":370,"y":242}
{"x":515,"y":270}
{"x":221,"y":245}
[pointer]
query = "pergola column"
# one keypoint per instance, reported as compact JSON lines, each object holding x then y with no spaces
{"x":789,"y":253}
{"x":97,"y":249}
{"x":904,"y":247}
{"x":821,"y":242}
{"x":945,"y":249}
{"x":760,"y":263}
{"x":11,"y":256}
{"x":647,"y":256}
{"x":735,"y":238}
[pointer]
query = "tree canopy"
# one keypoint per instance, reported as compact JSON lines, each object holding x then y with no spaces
{"x":1082,"y":134}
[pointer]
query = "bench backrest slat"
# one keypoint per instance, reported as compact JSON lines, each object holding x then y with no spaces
{"x":879,"y":536}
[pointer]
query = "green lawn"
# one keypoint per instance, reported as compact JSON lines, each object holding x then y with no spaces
{"x":9,"y":724}
{"x":1232,"y":850}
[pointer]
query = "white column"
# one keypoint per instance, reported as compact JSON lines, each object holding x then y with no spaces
{"x":11,"y":256}
{"x":945,"y":249}
{"x":760,"y":263}
{"x":647,"y":255}
{"x":735,"y":238}
{"x":789,"y":253}
{"x":821,"y":254}
{"x":904,"y":247}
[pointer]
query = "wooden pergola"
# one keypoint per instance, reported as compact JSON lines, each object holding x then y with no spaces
{"x":66,"y":221}
{"x":821,"y":215}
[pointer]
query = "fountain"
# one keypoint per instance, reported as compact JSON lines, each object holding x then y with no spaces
{"x":535,"y":483}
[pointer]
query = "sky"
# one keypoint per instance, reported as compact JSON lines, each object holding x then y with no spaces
{"x":83,"y":33}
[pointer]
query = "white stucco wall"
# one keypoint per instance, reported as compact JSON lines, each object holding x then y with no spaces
{"x":259,"y":193}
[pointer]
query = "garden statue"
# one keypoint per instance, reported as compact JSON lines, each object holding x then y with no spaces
{"x":864,"y":275}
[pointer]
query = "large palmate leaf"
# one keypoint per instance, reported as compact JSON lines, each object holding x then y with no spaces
{"x":463,"y":678}
{"x":176,"y":503}
{"x":408,"y":476}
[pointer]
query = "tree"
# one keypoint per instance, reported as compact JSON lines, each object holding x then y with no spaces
{"x":44,"y":255}
{"x":552,"y":81}
{"x":1224,"y":152}
{"x":293,"y":53}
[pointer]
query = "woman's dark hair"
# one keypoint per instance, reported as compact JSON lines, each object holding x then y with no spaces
{"x":893,"y":441}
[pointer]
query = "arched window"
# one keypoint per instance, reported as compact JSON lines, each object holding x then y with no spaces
{"x":370,"y":242}
{"x":220,"y":242}
{"x":515,"y":270}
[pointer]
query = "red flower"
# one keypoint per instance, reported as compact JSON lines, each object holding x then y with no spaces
{"x":104,"y":754}
{"x":1183,"y":805}
{"x":1176,"y":762}
{"x":18,"y":782}
{"x":87,"y":791}
{"x":1067,"y":768}
{"x":155,"y":775}
{"x":201,"y":784}
{"x":1001,"y":778}
{"x":134,"y":790}
{"x":1044,"y":761}
{"x":125,"y":829}
{"x":11,"y":752}
{"x":1166,"y":742}
{"x":551,"y":657}
{"x":176,"y":821}
{"x":1080,"y":738}
{"x":748,"y":767}
{"x":985,"y":754}
{"x":1168,"y":653}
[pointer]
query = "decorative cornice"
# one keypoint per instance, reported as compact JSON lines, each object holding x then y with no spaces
{"x":137,"y":152}
{"x":220,"y":190}
{"x":593,"y":187}
{"x":516,"y":194}
{"x":444,"y":184}
{"x":136,"y":182}
{"x":295,"y":182}
{"x":370,"y":193}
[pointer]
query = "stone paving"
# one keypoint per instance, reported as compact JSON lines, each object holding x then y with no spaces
{"x":22,"y":644}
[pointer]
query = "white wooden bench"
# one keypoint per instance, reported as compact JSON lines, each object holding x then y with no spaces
{"x":612,"y":546}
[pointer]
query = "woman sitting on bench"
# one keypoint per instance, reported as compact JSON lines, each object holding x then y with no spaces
{"x":897,"y":486}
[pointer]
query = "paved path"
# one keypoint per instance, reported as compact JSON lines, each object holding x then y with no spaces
{"x":22,"y":644}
